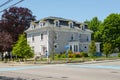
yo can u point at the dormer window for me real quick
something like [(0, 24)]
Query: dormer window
[(71, 25), (33, 26), (83, 27), (56, 23), (41, 24)]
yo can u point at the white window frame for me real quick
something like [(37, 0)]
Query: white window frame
[(57, 46), (56, 23), (33, 38), (72, 37), (71, 25), (56, 36), (41, 36)]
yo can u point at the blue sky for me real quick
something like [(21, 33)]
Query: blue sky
[(79, 10)]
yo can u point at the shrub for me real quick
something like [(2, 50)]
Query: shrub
[(71, 55), (84, 54), (63, 55), (118, 54), (70, 52), (77, 54)]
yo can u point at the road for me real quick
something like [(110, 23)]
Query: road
[(73, 71)]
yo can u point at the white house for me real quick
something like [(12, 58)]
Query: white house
[(54, 34)]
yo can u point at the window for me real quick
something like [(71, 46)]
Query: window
[(71, 47), (76, 48), (83, 27), (33, 26), (57, 23), (87, 38), (79, 36), (56, 36), (33, 48), (71, 25), (32, 38), (72, 37), (41, 24), (41, 36), (56, 46)]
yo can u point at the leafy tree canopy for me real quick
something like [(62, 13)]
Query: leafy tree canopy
[(15, 21), (111, 31), (22, 49), (107, 49), (93, 24), (5, 41), (92, 49)]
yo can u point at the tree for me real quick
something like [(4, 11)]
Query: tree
[(111, 30), (15, 21), (92, 49), (5, 41), (107, 49), (22, 49), (94, 25)]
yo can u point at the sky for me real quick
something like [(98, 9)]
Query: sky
[(79, 10)]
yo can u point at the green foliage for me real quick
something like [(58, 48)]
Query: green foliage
[(77, 55), (97, 36), (71, 55), (118, 54), (107, 49), (70, 52), (92, 49), (22, 49), (94, 25), (111, 31), (84, 54)]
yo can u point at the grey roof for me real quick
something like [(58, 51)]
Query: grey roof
[(60, 18)]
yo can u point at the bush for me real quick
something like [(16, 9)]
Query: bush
[(71, 55), (84, 54), (118, 54), (77, 55), (70, 52), (63, 55)]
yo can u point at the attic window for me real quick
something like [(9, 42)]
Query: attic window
[(83, 27), (33, 26), (41, 24), (56, 23), (71, 25)]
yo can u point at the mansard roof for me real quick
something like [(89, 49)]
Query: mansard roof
[(61, 19)]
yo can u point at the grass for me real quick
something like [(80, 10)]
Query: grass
[(63, 60)]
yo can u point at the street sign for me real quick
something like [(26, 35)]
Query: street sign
[(67, 47)]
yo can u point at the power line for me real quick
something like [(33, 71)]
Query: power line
[(5, 3), (12, 5)]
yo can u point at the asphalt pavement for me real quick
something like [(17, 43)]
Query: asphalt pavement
[(102, 70)]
